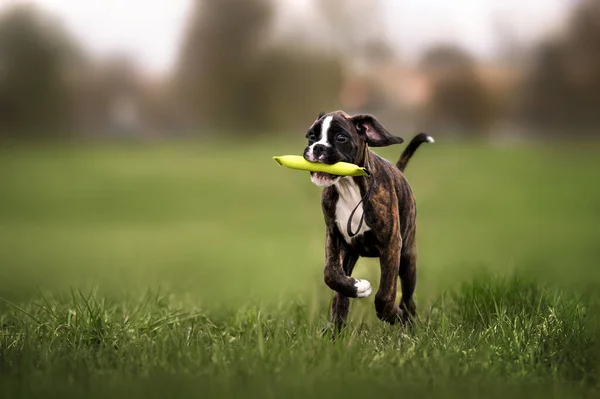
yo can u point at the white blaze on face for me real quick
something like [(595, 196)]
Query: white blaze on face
[(323, 141)]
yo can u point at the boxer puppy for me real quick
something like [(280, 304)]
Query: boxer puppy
[(368, 216)]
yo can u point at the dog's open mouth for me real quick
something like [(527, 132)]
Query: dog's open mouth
[(323, 179)]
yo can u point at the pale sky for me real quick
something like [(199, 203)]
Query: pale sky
[(152, 36)]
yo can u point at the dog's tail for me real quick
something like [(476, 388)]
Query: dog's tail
[(411, 148)]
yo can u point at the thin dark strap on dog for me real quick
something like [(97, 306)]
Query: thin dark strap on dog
[(362, 217)]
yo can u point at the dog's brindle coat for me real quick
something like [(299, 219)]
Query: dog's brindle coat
[(388, 230)]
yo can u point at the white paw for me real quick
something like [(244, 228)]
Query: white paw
[(363, 288)]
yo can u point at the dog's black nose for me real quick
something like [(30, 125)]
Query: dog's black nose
[(319, 151)]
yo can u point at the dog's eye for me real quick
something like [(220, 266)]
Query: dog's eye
[(340, 138), (311, 138)]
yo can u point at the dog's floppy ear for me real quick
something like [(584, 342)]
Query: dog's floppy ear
[(373, 132)]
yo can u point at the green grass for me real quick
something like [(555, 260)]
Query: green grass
[(195, 269)]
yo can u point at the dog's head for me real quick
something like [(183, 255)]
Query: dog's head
[(339, 137)]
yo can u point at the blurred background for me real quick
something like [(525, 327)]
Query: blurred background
[(136, 138), (480, 68)]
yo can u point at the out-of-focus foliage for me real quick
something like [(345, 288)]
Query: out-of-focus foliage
[(243, 67), (232, 76), (562, 93), (36, 60), (460, 102), (104, 93), (222, 45)]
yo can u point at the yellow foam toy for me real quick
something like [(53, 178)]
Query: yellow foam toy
[(340, 168)]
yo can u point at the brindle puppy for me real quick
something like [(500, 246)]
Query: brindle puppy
[(382, 225)]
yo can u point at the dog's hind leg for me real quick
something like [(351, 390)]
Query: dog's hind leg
[(340, 305), (385, 299), (408, 281)]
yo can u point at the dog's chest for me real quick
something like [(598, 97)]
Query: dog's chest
[(348, 197)]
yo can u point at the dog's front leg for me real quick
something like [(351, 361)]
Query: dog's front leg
[(335, 276), (385, 299), (340, 306)]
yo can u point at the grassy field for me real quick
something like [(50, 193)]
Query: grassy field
[(195, 269)]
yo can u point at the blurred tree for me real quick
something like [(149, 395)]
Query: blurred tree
[(109, 96), (354, 29), (222, 45), (460, 101), (562, 92), (294, 85), (231, 75), (114, 96), (35, 54), (158, 107)]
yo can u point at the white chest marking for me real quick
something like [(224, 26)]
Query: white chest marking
[(349, 197)]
